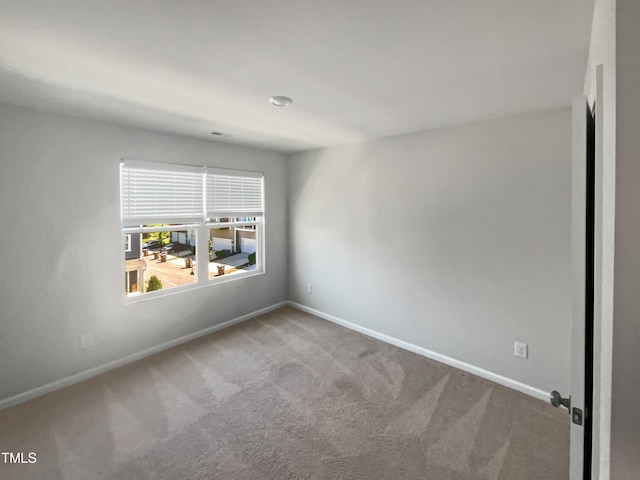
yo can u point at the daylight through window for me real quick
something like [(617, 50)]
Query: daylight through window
[(185, 226)]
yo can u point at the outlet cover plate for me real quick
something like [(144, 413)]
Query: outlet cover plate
[(520, 350)]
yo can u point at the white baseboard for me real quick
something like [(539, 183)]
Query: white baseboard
[(92, 372), (480, 372), (78, 377)]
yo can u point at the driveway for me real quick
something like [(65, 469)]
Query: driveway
[(172, 273), (234, 260), (229, 263)]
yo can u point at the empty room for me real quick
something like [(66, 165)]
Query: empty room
[(319, 240)]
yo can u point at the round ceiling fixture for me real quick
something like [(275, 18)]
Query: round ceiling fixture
[(280, 101)]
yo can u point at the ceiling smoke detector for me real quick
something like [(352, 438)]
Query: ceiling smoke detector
[(280, 101)]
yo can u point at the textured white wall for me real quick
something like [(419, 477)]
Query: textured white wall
[(61, 256), (456, 240)]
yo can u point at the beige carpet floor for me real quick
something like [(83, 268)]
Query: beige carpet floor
[(286, 396)]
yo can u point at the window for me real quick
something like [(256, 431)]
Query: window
[(234, 237), (185, 217)]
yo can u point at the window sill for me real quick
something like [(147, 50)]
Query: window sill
[(143, 297)]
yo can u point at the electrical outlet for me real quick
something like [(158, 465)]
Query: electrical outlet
[(521, 350), (309, 288), (86, 340)]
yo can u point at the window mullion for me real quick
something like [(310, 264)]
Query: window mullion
[(202, 254)]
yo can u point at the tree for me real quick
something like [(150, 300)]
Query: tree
[(154, 284)]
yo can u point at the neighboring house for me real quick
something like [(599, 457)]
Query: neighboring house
[(132, 246), (134, 263), (183, 237), (240, 239), (246, 239)]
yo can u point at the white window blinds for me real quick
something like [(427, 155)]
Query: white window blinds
[(234, 194), (157, 193), (152, 193)]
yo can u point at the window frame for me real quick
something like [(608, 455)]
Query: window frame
[(202, 229)]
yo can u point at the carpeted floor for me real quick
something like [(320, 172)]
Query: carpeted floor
[(286, 396)]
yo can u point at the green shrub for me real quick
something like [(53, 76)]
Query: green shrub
[(222, 253), (154, 284), (252, 258)]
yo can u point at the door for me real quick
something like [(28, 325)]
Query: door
[(249, 245), (579, 402)]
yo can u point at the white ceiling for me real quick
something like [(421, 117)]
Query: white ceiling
[(356, 69)]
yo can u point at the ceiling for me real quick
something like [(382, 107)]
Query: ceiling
[(356, 69)]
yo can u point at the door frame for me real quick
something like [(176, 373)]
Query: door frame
[(583, 250), (590, 223), (583, 201)]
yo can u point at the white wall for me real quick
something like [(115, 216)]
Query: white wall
[(61, 256), (625, 418), (455, 240), (602, 52)]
